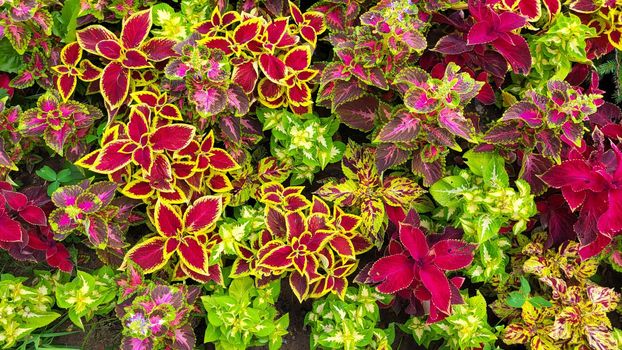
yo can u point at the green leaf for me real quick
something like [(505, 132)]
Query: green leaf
[(11, 61), (446, 190), (160, 12), (516, 299), (211, 333), (76, 319), (539, 301), (64, 175), (494, 172), (477, 161), (53, 187), (525, 288), (487, 227), (46, 173), (40, 320), (69, 17), (240, 288)]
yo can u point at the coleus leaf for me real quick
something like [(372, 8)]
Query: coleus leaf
[(404, 127)]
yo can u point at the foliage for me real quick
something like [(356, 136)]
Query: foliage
[(244, 316), (88, 295), (156, 315), (366, 188), (455, 154), (92, 210), (23, 309), (482, 202), (578, 314), (349, 323), (303, 143), (25, 232), (466, 328)]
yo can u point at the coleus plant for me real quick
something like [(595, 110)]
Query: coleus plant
[(23, 309), (304, 238), (189, 237), (19, 20), (578, 314), (433, 116), (73, 68), (544, 125), (244, 316), (366, 189), (481, 202), (63, 124), (304, 143), (588, 181), (466, 328), (124, 54), (552, 59), (255, 45), (92, 210), (87, 295), (415, 268), (25, 233), (352, 323), (157, 315)]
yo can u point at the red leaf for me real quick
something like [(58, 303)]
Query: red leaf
[(15, 200), (246, 75), (66, 84), (135, 29), (193, 254), (276, 257), (135, 59), (110, 159), (437, 284), (110, 49), (167, 220), (149, 255), (71, 54), (611, 220), (299, 285), (296, 225), (159, 49), (394, 271), (89, 37), (298, 58), (414, 240), (450, 254), (203, 214), (33, 215), (272, 67), (114, 84), (172, 137), (11, 230), (247, 31), (576, 174)]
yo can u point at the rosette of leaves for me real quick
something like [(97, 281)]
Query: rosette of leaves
[(154, 158), (542, 125), (23, 309), (366, 189), (124, 54), (466, 328), (315, 246), (427, 127), (92, 210), (555, 51), (481, 202), (25, 233), (351, 323), (19, 20), (243, 316), (414, 268), (578, 315), (304, 143), (589, 183), (63, 124), (207, 76), (256, 45), (158, 316), (400, 25), (187, 235), (88, 295)]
